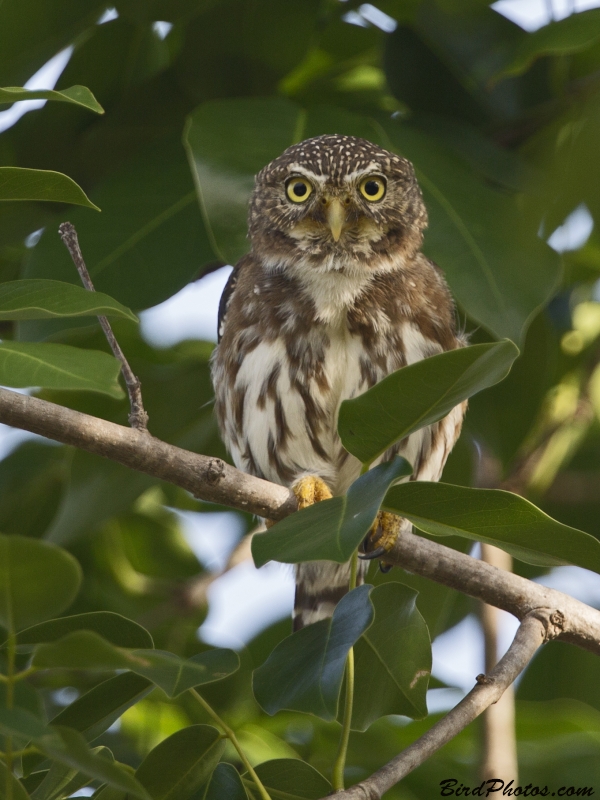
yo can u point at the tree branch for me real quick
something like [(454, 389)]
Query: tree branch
[(213, 480), (533, 632)]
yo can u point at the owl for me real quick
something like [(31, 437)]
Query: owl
[(333, 296)]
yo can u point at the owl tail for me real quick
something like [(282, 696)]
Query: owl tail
[(320, 585)]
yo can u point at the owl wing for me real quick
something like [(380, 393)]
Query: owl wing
[(225, 301)]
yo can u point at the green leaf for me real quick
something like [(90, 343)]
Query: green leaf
[(228, 142), (180, 764), (38, 580), (497, 517), (571, 35), (96, 710), (59, 366), (333, 529), (64, 780), (79, 95), (304, 672), (418, 395), (392, 659), (292, 779), (18, 791), (43, 299), (86, 650), (225, 782), (498, 268), (18, 183), (118, 630)]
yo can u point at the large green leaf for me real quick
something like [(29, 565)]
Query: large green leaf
[(87, 650), (227, 142), (118, 630), (59, 366), (96, 710), (333, 529), (392, 659), (418, 395), (292, 779), (225, 782), (571, 35), (497, 517), (43, 299), (498, 268), (304, 672), (63, 780), (181, 764), (18, 791), (19, 183), (79, 95), (68, 747), (38, 580), (150, 218)]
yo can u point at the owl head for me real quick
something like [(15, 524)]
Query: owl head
[(334, 198)]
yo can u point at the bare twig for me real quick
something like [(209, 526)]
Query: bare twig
[(138, 418), (499, 756), (215, 481), (534, 630)]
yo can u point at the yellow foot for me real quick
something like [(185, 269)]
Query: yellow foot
[(381, 538), (309, 490)]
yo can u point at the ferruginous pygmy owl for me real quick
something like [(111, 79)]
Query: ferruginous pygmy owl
[(333, 296)]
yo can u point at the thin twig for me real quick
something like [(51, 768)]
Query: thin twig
[(533, 632), (138, 418)]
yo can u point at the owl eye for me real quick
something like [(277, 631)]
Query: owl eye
[(298, 190), (372, 189)]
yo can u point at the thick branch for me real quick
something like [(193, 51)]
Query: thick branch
[(532, 633), (212, 480)]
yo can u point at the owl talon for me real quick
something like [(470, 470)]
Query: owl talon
[(384, 567), (379, 551), (310, 490)]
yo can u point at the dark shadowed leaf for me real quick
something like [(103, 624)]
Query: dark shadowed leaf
[(225, 782), (571, 35), (181, 763), (392, 659), (491, 515), (42, 299), (79, 95), (304, 672), (59, 366), (419, 394), (118, 630), (18, 183), (18, 791), (86, 650), (37, 580), (292, 779), (63, 780), (333, 529)]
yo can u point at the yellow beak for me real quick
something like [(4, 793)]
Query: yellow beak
[(336, 216)]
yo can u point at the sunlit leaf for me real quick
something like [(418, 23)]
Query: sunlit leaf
[(333, 529), (497, 517), (304, 672), (180, 764), (19, 183), (37, 580), (392, 659), (42, 299), (59, 366), (418, 395), (79, 95)]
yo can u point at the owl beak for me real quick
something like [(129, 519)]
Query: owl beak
[(336, 216)]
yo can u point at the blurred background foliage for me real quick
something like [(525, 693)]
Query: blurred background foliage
[(503, 127)]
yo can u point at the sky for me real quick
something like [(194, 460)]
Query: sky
[(267, 593)]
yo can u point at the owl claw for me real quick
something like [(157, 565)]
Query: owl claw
[(310, 490), (379, 551), (384, 533)]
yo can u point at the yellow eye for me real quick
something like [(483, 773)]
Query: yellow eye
[(372, 189), (298, 190)]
